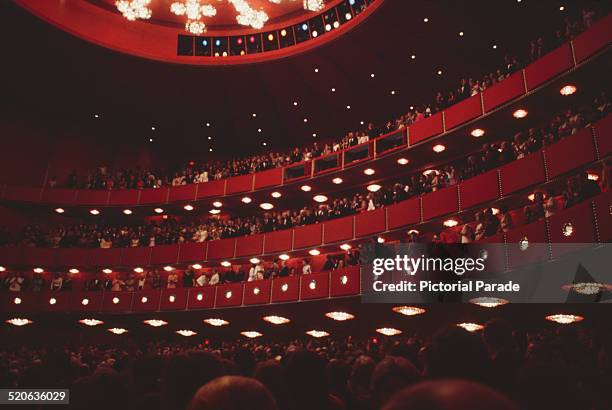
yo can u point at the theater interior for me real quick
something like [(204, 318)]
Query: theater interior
[(192, 192)]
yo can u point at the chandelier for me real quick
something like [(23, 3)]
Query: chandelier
[(134, 9), (195, 11)]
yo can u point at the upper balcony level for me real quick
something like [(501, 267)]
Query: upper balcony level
[(532, 86)]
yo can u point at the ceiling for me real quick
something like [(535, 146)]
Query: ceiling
[(226, 14), (56, 81)]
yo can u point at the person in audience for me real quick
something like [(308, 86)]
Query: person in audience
[(172, 280), (306, 268), (215, 278), (233, 393), (202, 280), (57, 282)]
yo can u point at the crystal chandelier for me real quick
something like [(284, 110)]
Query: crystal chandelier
[(314, 5), (134, 9), (194, 12), (247, 16)]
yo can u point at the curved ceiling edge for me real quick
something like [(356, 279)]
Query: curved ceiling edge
[(157, 42)]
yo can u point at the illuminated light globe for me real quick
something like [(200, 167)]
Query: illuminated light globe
[(312, 285), (314, 5), (19, 321), (134, 9), (567, 90), (17, 301), (564, 319), (389, 331), (408, 310), (155, 322), (471, 327), (194, 11), (216, 322), (489, 302), (117, 330), (91, 322), (340, 316), (276, 320), (256, 291), (317, 333), (251, 334), (186, 332), (568, 229)]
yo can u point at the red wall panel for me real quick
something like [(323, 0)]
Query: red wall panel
[(22, 194), (59, 196), (192, 252), (580, 217), (221, 249), (42, 257), (124, 301), (603, 133), (426, 128), (570, 153), (92, 197), (183, 193), (268, 178), (368, 223), (522, 173), (502, 92), (74, 257), (537, 249), (249, 245), (314, 286), (154, 196), (11, 255), (404, 213), (201, 298), (257, 292), (164, 254), (229, 295), (127, 197), (338, 230), (174, 299), (146, 301), (138, 256), (594, 39), (306, 236), (547, 67), (463, 112), (106, 257), (345, 282), (484, 187), (285, 289), (239, 184), (278, 241), (211, 188), (441, 202)]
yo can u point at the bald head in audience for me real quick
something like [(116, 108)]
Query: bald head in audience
[(449, 395), (233, 393)]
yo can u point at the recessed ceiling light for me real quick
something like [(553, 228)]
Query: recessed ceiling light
[(216, 322), (567, 90), (373, 187), (413, 56), (426, 20), (186, 332), (91, 322), (208, 124), (150, 139), (155, 322), (477, 132), (520, 113), (316, 70), (314, 134), (348, 107), (196, 266), (317, 333), (461, 34), (320, 198), (117, 330), (340, 316), (488, 302), (305, 188), (251, 334), (94, 212), (2, 269), (217, 204), (168, 268), (246, 200), (561, 8), (372, 75), (127, 211), (59, 210), (214, 211), (333, 90), (188, 207), (314, 252), (408, 310), (388, 331), (96, 116), (276, 194), (295, 103), (266, 206), (158, 210), (305, 119), (564, 319), (74, 271), (209, 138), (38, 270), (345, 246), (138, 270), (226, 264), (152, 128), (107, 270), (258, 129), (369, 171), (471, 327), (337, 180), (361, 122), (402, 161), (283, 257), (380, 239), (254, 115), (439, 148), (392, 92), (494, 46), (439, 72), (276, 320), (254, 260)]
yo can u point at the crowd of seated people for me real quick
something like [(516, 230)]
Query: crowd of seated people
[(502, 367), (173, 231), (105, 178)]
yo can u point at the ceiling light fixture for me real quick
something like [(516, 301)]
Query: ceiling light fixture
[(276, 320), (373, 187), (91, 322), (471, 327), (117, 330), (408, 310), (389, 331), (369, 171), (186, 332), (489, 302), (19, 321), (320, 198), (567, 90), (251, 334), (402, 161), (317, 333), (340, 316), (266, 206), (134, 9), (520, 113), (337, 180), (276, 194), (216, 322), (477, 132)]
